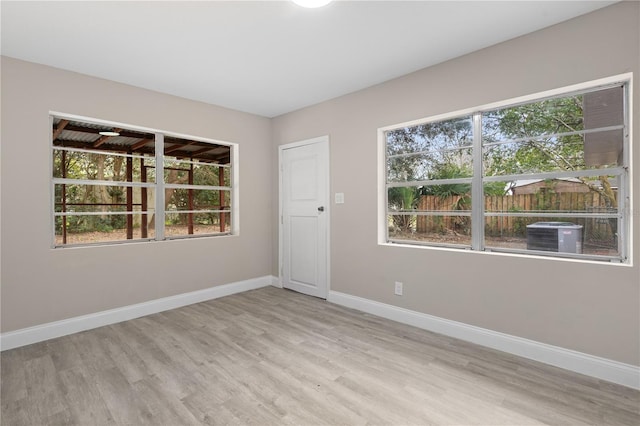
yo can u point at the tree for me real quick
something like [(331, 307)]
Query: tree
[(403, 199), (546, 143), (414, 153)]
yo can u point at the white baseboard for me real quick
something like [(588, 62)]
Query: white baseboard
[(275, 281), (39, 333), (601, 368)]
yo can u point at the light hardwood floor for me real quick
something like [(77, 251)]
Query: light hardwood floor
[(272, 356)]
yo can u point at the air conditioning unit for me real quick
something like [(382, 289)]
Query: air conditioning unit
[(562, 237)]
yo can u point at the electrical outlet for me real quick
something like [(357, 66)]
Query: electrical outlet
[(398, 289)]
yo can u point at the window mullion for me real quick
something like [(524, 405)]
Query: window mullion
[(477, 192), (159, 218), (624, 205), (386, 191)]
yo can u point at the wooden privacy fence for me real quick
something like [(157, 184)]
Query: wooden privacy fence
[(442, 224), (515, 226)]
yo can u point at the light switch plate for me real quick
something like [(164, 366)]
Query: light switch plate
[(339, 197)]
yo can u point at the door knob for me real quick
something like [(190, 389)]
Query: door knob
[(321, 208)]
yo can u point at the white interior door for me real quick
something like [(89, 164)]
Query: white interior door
[(304, 171)]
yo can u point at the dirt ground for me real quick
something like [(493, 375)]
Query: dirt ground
[(121, 234), (456, 238), (589, 247), (446, 238)]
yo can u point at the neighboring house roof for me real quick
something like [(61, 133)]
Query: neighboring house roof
[(527, 182)]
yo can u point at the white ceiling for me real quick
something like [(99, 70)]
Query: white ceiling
[(267, 57)]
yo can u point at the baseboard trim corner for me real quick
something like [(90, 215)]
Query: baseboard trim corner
[(578, 362), (275, 281), (39, 333)]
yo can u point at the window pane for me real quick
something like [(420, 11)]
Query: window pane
[(535, 156), (601, 109), (450, 197), (99, 198), (186, 149), (183, 224), (177, 172), (440, 135), (435, 165), (549, 135), (440, 220), (439, 229), (603, 149), (101, 166), (578, 235), (564, 195), (550, 116), (88, 229), (432, 198), (567, 198), (437, 150), (197, 199)]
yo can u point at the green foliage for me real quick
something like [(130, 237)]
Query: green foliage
[(415, 152), (545, 199), (494, 188), (202, 199), (519, 227), (403, 199), (81, 224), (448, 171), (536, 126)]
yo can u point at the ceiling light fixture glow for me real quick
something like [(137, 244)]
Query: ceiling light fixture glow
[(109, 133), (312, 3)]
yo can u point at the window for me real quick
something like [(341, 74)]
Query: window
[(545, 176), (197, 191), (115, 184)]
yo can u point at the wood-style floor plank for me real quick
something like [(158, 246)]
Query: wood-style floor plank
[(275, 357)]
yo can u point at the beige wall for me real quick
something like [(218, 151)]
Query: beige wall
[(592, 308), (41, 285)]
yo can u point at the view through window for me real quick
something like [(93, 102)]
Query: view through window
[(549, 177), (112, 184)]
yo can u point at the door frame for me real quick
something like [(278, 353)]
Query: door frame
[(323, 141)]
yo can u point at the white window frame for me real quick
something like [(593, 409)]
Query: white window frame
[(158, 186), (477, 212)]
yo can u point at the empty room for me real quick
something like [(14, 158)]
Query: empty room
[(337, 213)]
